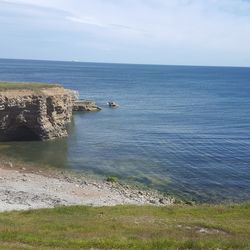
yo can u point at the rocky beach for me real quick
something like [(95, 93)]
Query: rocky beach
[(23, 187), (41, 112)]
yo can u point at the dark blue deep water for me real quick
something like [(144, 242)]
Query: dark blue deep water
[(183, 130)]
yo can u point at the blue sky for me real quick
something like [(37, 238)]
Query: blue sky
[(186, 32)]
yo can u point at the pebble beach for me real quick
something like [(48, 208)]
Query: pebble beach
[(24, 188)]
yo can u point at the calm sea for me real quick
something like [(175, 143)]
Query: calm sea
[(183, 130)]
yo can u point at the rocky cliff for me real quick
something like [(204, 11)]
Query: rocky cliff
[(37, 114)]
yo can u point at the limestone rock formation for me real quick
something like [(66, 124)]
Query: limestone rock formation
[(38, 114), (85, 105)]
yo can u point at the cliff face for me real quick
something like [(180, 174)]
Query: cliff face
[(34, 114)]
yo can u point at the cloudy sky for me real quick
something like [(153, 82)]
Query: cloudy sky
[(187, 32)]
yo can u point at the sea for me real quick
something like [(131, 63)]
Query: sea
[(183, 130)]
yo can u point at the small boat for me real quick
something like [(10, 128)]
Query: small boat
[(113, 105)]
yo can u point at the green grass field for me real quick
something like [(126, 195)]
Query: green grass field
[(24, 85), (128, 227)]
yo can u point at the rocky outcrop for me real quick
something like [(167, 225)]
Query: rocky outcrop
[(85, 105), (38, 114)]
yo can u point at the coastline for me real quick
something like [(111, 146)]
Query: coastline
[(143, 221), (23, 187), (41, 112)]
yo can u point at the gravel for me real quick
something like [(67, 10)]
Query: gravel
[(23, 190)]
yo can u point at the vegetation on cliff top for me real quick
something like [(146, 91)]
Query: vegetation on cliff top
[(128, 227), (25, 85)]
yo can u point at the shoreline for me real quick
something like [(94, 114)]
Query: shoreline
[(23, 187)]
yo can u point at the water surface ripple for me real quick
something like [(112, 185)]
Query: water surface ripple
[(183, 130)]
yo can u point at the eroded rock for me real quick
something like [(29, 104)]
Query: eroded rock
[(35, 114), (85, 105)]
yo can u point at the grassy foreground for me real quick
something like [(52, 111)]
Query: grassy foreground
[(24, 85), (128, 227)]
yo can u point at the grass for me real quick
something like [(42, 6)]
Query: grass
[(128, 227), (24, 85), (112, 179)]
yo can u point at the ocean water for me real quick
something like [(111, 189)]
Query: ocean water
[(182, 130)]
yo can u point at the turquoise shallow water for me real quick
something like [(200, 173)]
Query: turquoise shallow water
[(183, 130)]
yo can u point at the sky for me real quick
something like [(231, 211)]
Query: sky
[(175, 32)]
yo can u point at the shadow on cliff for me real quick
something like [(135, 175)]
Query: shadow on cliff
[(27, 147), (22, 133)]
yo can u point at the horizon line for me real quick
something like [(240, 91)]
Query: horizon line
[(125, 63)]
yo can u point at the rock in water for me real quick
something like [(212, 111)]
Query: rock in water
[(38, 114), (113, 105), (85, 105)]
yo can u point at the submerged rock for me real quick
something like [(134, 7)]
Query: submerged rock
[(38, 114)]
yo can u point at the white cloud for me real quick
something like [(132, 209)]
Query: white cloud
[(198, 28), (85, 20)]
